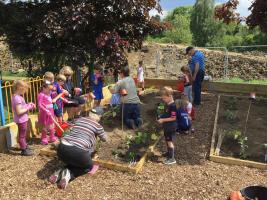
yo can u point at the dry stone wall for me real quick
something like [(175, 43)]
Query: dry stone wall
[(165, 61)]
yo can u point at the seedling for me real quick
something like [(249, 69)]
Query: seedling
[(231, 103), (128, 140), (230, 115), (141, 138), (154, 136), (242, 141)]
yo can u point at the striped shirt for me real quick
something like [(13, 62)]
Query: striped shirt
[(84, 133)]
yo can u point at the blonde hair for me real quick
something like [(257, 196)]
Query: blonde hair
[(179, 103), (185, 100), (185, 69), (19, 84), (66, 70), (61, 77), (49, 76), (166, 91)]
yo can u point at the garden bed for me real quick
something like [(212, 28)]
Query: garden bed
[(241, 140)]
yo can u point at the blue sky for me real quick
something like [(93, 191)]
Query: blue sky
[(168, 5)]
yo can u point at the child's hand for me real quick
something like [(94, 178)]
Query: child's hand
[(65, 92), (160, 121), (30, 106)]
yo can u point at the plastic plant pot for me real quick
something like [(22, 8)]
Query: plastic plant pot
[(254, 193)]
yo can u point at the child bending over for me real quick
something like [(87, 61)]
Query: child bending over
[(20, 109), (182, 118), (168, 121)]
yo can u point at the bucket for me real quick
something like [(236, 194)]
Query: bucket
[(64, 126), (180, 86), (254, 193)]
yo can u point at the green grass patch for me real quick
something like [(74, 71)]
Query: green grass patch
[(239, 80)]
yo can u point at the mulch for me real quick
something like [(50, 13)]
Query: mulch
[(194, 177)]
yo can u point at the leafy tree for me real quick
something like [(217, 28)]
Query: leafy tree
[(258, 15), (203, 25), (72, 31)]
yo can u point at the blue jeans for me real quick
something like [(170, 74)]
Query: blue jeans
[(131, 114), (197, 87)]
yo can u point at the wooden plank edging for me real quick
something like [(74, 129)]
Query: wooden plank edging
[(235, 161), (213, 139)]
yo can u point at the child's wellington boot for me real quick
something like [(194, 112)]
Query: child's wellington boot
[(52, 137), (44, 140)]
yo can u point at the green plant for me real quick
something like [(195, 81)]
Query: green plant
[(131, 155), (242, 141), (154, 136), (141, 138), (229, 115), (128, 140)]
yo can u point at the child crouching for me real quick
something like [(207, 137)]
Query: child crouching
[(168, 121), (183, 119)]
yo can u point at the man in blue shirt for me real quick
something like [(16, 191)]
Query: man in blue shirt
[(197, 66)]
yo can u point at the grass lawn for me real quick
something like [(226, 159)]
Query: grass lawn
[(239, 80)]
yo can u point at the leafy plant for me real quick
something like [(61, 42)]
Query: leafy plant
[(230, 115), (128, 140), (154, 136), (242, 141), (141, 138), (132, 155)]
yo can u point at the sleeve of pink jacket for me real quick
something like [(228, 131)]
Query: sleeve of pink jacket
[(41, 104)]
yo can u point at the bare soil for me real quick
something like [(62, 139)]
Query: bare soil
[(256, 127), (193, 178)]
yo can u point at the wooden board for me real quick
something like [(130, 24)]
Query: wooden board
[(213, 139), (213, 86), (235, 161), (47, 151)]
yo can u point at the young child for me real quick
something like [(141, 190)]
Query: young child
[(140, 75), (49, 76), (188, 106), (187, 76), (168, 120), (182, 118), (20, 109), (97, 79), (115, 99), (57, 96), (46, 113)]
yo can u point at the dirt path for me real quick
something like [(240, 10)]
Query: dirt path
[(193, 177)]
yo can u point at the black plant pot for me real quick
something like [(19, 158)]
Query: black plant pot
[(254, 193)]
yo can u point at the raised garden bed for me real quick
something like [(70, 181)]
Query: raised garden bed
[(126, 150), (234, 141)]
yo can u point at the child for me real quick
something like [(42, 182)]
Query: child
[(187, 76), (20, 109), (140, 75), (168, 120), (57, 95), (97, 79), (182, 118), (189, 107), (46, 113), (115, 99), (49, 76)]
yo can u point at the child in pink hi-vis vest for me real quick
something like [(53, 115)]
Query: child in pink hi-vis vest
[(46, 113)]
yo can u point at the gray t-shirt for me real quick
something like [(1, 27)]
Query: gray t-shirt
[(128, 84)]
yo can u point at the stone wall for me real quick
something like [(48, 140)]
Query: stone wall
[(170, 58)]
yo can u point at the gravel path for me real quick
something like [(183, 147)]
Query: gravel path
[(193, 177)]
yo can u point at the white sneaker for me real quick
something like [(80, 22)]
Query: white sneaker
[(65, 179)]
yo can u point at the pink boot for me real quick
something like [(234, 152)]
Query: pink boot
[(52, 137), (44, 140)]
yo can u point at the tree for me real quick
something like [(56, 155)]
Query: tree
[(258, 15), (72, 31), (226, 12), (203, 24)]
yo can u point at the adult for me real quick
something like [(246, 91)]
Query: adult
[(197, 67), (76, 148), (75, 100), (130, 100)]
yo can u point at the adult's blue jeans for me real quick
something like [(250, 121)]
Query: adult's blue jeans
[(131, 114), (197, 87)]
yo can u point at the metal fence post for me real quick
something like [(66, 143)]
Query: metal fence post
[(2, 111)]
